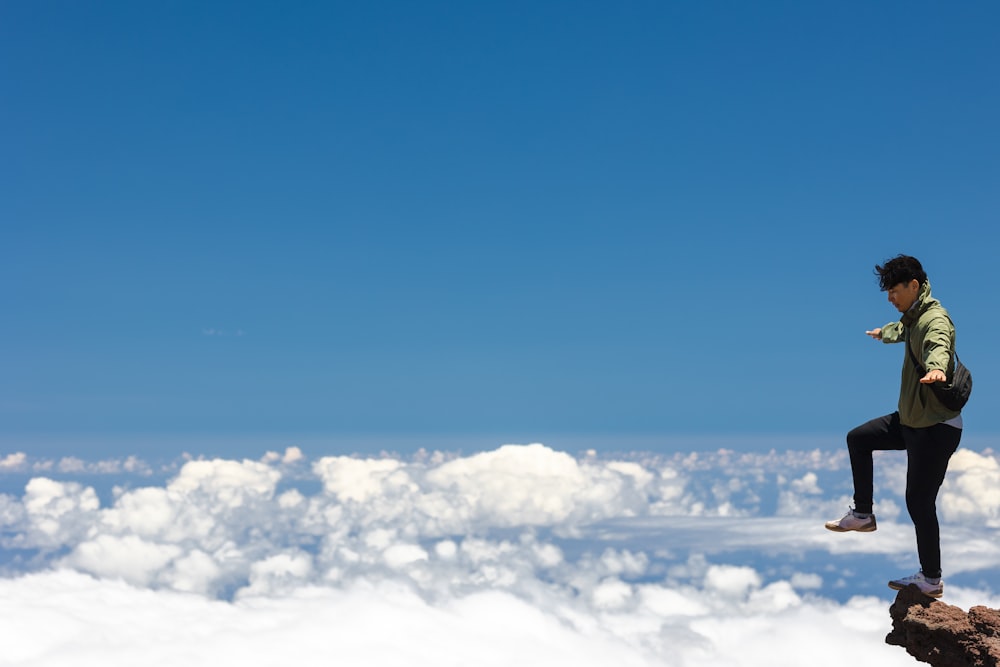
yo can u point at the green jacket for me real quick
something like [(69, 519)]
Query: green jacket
[(927, 329)]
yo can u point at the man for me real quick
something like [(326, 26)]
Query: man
[(928, 431)]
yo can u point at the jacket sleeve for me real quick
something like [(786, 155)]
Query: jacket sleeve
[(936, 350), (892, 332)]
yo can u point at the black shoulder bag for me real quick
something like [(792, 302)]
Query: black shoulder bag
[(955, 394)]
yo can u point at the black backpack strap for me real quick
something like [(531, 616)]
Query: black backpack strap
[(920, 367)]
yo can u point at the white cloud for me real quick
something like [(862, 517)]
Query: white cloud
[(279, 573), (807, 484), (535, 485), (130, 558), (62, 617), (809, 580), (148, 512), (231, 483), (731, 581), (291, 455), (194, 572), (518, 555), (972, 489), (55, 512), (20, 462), (71, 464), (357, 480), (15, 461)]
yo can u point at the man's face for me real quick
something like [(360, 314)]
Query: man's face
[(903, 295)]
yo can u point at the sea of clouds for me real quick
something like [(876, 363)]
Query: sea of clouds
[(519, 555)]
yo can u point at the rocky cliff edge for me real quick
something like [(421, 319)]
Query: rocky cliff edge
[(943, 635)]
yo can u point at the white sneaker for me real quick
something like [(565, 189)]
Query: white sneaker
[(851, 521), (920, 581)]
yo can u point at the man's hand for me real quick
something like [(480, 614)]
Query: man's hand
[(875, 333), (934, 376)]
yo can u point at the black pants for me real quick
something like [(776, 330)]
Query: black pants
[(927, 453)]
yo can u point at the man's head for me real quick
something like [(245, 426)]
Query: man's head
[(901, 277)]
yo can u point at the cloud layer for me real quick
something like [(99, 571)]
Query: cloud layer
[(522, 554)]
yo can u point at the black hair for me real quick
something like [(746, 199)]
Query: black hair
[(900, 269)]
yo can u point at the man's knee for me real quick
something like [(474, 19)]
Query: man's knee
[(856, 439)]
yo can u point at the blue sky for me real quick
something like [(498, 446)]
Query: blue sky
[(505, 221)]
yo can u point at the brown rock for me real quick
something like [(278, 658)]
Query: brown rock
[(943, 635)]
